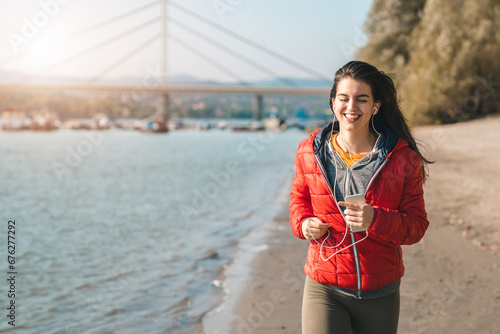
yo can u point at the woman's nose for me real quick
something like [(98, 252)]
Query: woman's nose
[(351, 105)]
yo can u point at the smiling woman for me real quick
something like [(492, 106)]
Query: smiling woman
[(369, 153)]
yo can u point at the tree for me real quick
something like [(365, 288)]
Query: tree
[(446, 56)]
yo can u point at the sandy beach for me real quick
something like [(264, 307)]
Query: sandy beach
[(451, 281)]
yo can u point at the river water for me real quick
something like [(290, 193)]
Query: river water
[(124, 232)]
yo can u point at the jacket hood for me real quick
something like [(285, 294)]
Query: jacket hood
[(387, 142)]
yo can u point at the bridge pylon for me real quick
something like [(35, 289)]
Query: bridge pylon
[(258, 111), (164, 106)]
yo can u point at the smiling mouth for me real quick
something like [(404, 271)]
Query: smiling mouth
[(352, 116)]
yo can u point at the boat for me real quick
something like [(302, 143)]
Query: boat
[(153, 124), (275, 123), (15, 120), (202, 126), (176, 125), (101, 121), (255, 126), (44, 120)]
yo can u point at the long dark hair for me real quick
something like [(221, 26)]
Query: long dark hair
[(383, 90)]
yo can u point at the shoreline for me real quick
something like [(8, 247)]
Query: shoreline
[(451, 274), (271, 299), (239, 277)]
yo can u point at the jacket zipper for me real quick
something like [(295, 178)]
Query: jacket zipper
[(353, 240), (355, 250)]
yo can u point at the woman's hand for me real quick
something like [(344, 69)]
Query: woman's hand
[(313, 228), (358, 215)]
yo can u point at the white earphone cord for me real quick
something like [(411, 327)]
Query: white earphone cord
[(373, 126), (340, 243)]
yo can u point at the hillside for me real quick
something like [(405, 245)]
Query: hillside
[(444, 56)]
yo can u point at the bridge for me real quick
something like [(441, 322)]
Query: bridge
[(162, 88), (165, 90)]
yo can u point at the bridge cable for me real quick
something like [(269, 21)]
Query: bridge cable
[(234, 53), (126, 57), (252, 43), (208, 59)]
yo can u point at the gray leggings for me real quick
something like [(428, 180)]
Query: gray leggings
[(326, 311)]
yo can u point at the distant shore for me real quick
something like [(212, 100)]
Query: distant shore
[(451, 280)]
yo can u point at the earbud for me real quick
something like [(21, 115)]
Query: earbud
[(375, 111)]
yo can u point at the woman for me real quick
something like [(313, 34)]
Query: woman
[(354, 264)]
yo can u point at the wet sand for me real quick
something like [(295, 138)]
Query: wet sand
[(451, 283)]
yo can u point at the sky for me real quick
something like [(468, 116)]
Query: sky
[(37, 38)]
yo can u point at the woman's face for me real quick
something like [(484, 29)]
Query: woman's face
[(354, 105)]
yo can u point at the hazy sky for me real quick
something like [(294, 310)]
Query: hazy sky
[(320, 34)]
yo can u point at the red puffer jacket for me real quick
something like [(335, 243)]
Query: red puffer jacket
[(400, 218)]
